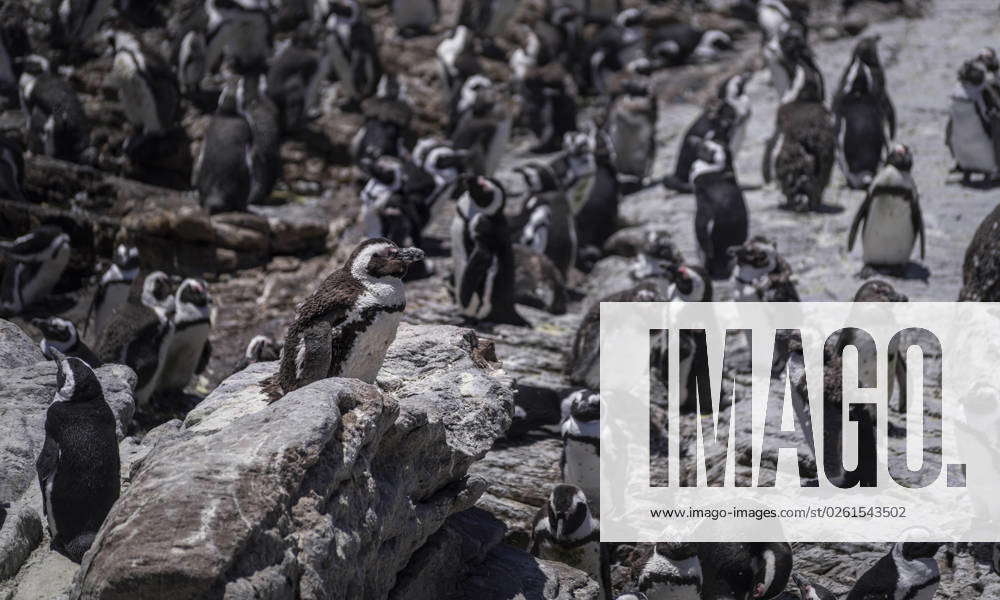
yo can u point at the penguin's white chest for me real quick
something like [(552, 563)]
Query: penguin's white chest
[(136, 97), (186, 346), (970, 143), (365, 358), (888, 235)]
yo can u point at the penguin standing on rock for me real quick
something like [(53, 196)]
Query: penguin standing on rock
[(671, 572), (721, 220), (890, 218), (138, 335), (564, 531), (61, 336), (112, 290), (57, 125), (147, 90), (481, 253), (865, 117), (35, 264), (189, 349), (907, 571), (260, 349), (970, 133), (344, 328), (580, 462), (222, 173), (78, 468), (11, 170)]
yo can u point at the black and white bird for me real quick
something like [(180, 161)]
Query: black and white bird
[(721, 218), (349, 50), (389, 207), (763, 275), (865, 116), (78, 468), (56, 123), (189, 349), (811, 591), (488, 20), (386, 130), (788, 52), (138, 334), (35, 264), (549, 228), (238, 31), (191, 57), (112, 289), (75, 21), (261, 116), (261, 348), (147, 89), (11, 170), (344, 328), (970, 131), (679, 43), (457, 60), (60, 335), (907, 571), (597, 216), (631, 126), (293, 84), (222, 172), (580, 462), (671, 572), (890, 218), (565, 531), (442, 161)]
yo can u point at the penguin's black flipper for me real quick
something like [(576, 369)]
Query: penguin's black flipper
[(45, 466), (890, 114), (900, 375), (918, 223), (860, 216), (206, 354)]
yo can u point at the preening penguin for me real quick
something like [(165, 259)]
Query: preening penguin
[(579, 462), (788, 52), (865, 117), (890, 218), (35, 263), (56, 123), (189, 349), (60, 337), (344, 328), (907, 571), (78, 468), (112, 290), (549, 228)]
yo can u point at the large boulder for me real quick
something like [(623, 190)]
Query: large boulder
[(327, 493)]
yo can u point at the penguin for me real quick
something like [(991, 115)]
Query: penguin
[(730, 109), (35, 264), (907, 571), (564, 531), (147, 89), (238, 31), (344, 328), (788, 52), (721, 219), (388, 209), (350, 51), (601, 11), (189, 349), (631, 126), (15, 44), (981, 265), (442, 162), (261, 348), (890, 218), (773, 14), (415, 17), (865, 116), (549, 105), (762, 275), (293, 81), (771, 565), (56, 123), (191, 58), (264, 153), (222, 173), (481, 253), (60, 335), (549, 228), (678, 43), (11, 170), (112, 290), (138, 334), (876, 290), (970, 133), (806, 139), (488, 20), (580, 463), (484, 127), (386, 130), (597, 217), (457, 60), (744, 570), (74, 21), (811, 591), (671, 572), (78, 467), (576, 167), (619, 47), (537, 282)]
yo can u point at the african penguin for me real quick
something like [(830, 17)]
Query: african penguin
[(387, 208), (549, 228), (890, 216), (575, 168), (677, 43), (344, 328), (147, 90), (293, 81), (264, 153), (721, 218), (441, 161), (74, 21), (192, 55), (548, 106), (970, 132), (744, 570), (260, 348), (907, 571), (631, 127), (481, 252), (787, 53), (579, 462), (488, 19), (597, 217), (618, 48), (564, 531), (78, 468), (11, 170), (865, 117), (35, 264), (415, 17), (457, 60), (482, 124), (189, 349), (240, 32), (671, 572), (806, 142), (771, 565), (876, 290), (762, 275), (61, 335), (112, 290), (56, 123), (349, 50), (812, 591), (386, 130), (222, 173), (138, 334)]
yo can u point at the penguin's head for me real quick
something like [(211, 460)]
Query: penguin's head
[(877, 290), (972, 72), (578, 143), (758, 253), (914, 550), (586, 406), (126, 257), (388, 170), (193, 292), (988, 57), (900, 157), (676, 551), (60, 331), (261, 348), (487, 193), (376, 258), (712, 42), (567, 509), (75, 380), (689, 284), (866, 49)]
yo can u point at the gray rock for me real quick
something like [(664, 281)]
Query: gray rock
[(20, 534), (328, 492), (509, 574), (16, 348)]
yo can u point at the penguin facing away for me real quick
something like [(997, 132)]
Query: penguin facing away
[(146, 86), (907, 571), (721, 219), (222, 171), (35, 263), (261, 116), (890, 218), (112, 290), (579, 462), (189, 349), (78, 468), (344, 328), (60, 337)]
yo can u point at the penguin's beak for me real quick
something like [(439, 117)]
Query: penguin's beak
[(411, 255)]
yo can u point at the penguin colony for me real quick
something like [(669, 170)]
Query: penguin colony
[(583, 87)]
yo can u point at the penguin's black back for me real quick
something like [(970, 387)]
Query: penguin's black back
[(719, 200), (224, 176), (877, 583)]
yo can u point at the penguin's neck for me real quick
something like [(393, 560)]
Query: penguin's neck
[(188, 313)]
